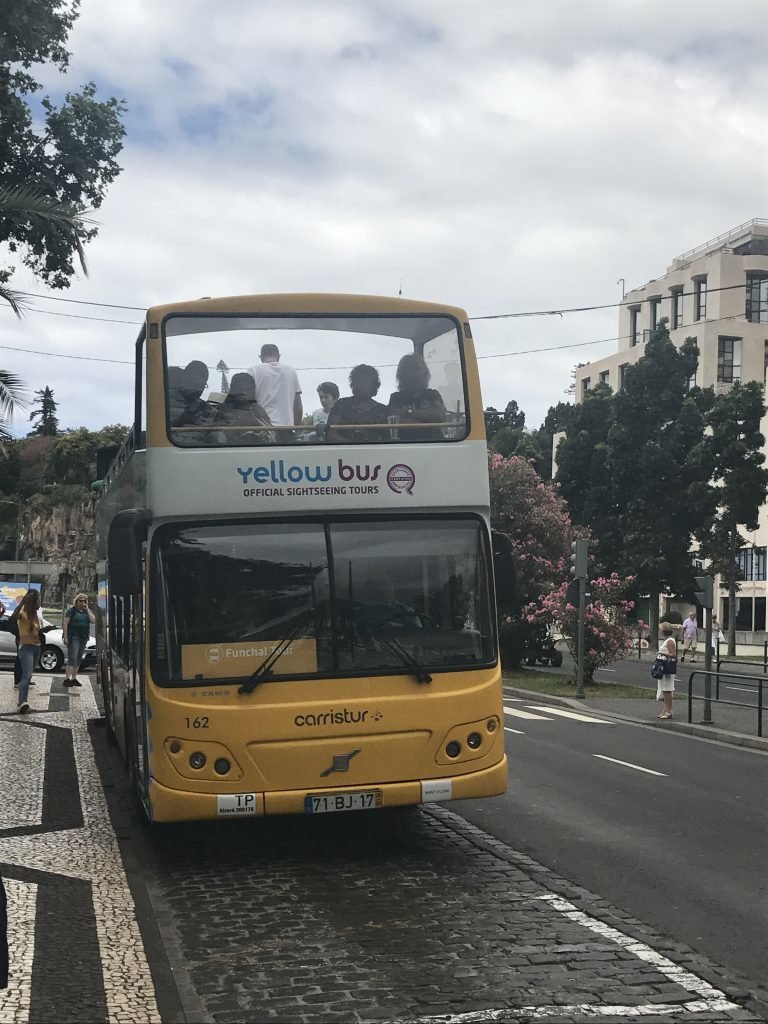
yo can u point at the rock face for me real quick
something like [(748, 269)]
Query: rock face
[(65, 535)]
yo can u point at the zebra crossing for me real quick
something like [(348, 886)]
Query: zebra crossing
[(544, 713)]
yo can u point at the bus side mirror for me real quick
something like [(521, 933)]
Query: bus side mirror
[(504, 570), (126, 536)]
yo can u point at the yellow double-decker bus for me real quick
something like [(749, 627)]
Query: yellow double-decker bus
[(296, 606)]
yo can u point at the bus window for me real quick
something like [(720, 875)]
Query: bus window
[(419, 393), (227, 595)]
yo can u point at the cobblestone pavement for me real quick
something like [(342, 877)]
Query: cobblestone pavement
[(76, 950), (383, 916)]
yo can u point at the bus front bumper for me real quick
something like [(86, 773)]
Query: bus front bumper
[(177, 805)]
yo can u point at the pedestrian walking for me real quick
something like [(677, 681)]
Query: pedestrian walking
[(717, 634), (664, 669), (75, 631), (690, 636), (29, 620)]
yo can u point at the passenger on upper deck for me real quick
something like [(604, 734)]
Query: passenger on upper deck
[(185, 406), (240, 409), (278, 390), (414, 402), (328, 393), (360, 408)]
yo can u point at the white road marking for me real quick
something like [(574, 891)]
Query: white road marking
[(627, 764), (606, 670), (518, 731), (711, 1000), (515, 713), (570, 714), (744, 689), (597, 1011)]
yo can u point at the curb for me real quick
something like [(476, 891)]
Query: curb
[(709, 732)]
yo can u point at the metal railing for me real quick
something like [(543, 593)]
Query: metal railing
[(740, 661), (738, 230), (708, 698)]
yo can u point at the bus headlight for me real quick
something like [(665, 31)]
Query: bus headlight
[(197, 760), (221, 766)]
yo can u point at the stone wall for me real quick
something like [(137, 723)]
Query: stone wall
[(64, 534)]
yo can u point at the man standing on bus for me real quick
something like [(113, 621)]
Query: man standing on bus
[(277, 389)]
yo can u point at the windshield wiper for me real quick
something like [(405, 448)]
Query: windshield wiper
[(264, 671), (420, 673)]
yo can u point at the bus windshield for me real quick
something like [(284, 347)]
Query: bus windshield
[(353, 595), (308, 379)]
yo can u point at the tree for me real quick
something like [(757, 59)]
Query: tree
[(583, 473), (72, 458), (558, 419), (732, 448), (533, 515), (12, 396), (51, 172), (654, 461), (44, 411), (535, 518)]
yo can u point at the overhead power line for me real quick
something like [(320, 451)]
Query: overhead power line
[(492, 355), (490, 316)]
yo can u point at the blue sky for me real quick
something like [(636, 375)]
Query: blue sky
[(503, 157)]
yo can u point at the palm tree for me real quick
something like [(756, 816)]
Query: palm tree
[(12, 396), (19, 204)]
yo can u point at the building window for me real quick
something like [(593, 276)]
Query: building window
[(677, 308), (634, 326), (586, 384), (751, 563), (655, 313), (605, 376), (750, 614), (622, 374), (728, 360), (700, 298), (757, 298)]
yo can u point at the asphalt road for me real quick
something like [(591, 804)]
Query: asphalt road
[(637, 672), (680, 845)]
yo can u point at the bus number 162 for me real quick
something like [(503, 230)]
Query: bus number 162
[(197, 723)]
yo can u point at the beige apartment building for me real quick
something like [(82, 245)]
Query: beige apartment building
[(716, 293)]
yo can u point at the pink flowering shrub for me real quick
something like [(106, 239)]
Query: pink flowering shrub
[(606, 628), (535, 518)]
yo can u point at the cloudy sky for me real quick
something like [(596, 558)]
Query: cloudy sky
[(501, 155)]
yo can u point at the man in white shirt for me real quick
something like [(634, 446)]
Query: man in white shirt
[(690, 636), (277, 388)]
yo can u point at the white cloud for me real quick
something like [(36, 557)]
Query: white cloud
[(498, 156)]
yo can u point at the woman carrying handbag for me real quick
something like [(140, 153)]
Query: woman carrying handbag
[(664, 669)]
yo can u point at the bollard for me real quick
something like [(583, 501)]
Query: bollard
[(760, 708)]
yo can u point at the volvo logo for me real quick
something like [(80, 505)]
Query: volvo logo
[(340, 763)]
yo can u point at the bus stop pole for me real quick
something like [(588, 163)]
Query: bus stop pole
[(707, 719), (580, 639)]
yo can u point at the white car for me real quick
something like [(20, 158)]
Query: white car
[(53, 653)]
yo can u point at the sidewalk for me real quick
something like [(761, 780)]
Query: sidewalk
[(730, 725), (76, 950)]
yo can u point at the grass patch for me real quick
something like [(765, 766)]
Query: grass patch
[(557, 686)]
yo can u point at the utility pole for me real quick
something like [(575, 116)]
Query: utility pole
[(705, 597), (622, 282), (579, 563)]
